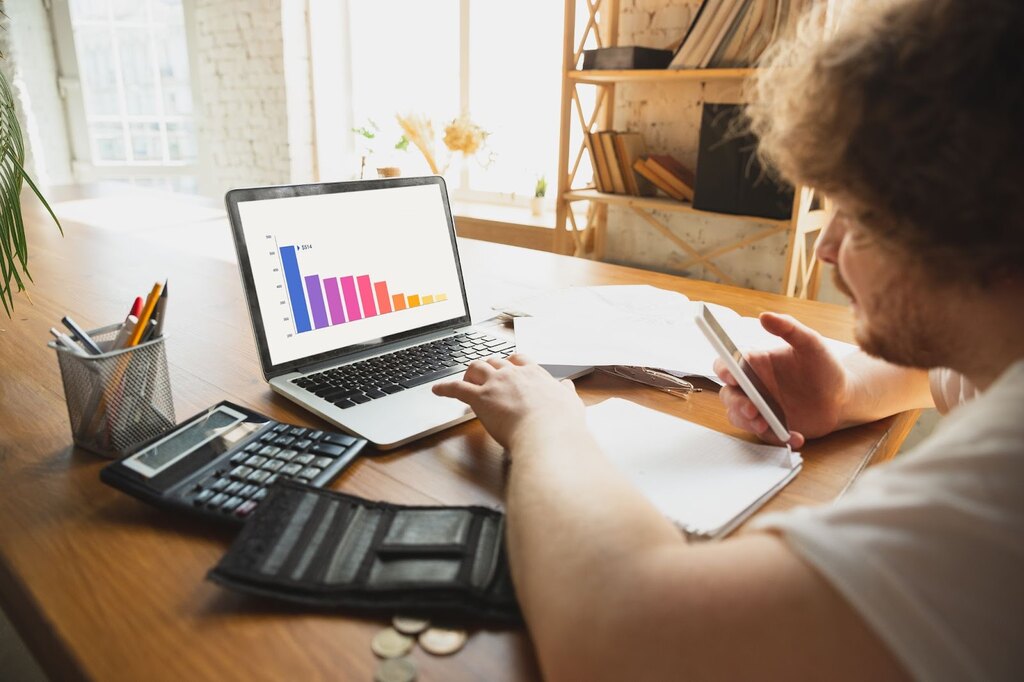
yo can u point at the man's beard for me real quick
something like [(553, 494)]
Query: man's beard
[(898, 331)]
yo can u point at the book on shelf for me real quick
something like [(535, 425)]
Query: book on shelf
[(644, 170), (629, 147), (596, 158), (618, 183), (673, 173)]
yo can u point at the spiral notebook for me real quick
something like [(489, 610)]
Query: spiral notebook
[(706, 482)]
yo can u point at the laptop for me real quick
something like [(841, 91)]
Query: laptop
[(358, 304)]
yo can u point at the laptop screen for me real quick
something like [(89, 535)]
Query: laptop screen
[(348, 266)]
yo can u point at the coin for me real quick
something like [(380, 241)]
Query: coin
[(389, 643), (441, 641), (410, 626), (395, 670)]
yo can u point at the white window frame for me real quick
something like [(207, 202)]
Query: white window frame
[(83, 162)]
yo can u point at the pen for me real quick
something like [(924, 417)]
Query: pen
[(159, 314), (66, 341), (79, 334), (125, 332), (147, 312)]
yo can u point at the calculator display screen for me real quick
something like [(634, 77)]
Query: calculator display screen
[(169, 450)]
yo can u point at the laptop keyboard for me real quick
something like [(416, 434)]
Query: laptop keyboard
[(367, 380)]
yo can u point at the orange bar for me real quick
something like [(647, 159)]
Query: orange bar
[(414, 300), (440, 297), (383, 300), (428, 299), (399, 301)]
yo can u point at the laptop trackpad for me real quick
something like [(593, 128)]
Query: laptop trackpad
[(404, 416)]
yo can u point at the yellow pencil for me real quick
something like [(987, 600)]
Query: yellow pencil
[(147, 312)]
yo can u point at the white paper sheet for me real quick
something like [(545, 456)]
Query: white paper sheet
[(704, 481)]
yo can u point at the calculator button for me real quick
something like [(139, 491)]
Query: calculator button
[(322, 462), (248, 490), (268, 436), (220, 484), (291, 469), (234, 488), (339, 439), (281, 428), (298, 431), (316, 435), (284, 441), (258, 476), (253, 446), (218, 500), (239, 457), (286, 455), (245, 508), (240, 472), (255, 461), (259, 494), (303, 444), (327, 449), (270, 451), (273, 465), (309, 472), (202, 497), (269, 481), (231, 504), (303, 459)]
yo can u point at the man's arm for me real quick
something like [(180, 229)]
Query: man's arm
[(608, 587)]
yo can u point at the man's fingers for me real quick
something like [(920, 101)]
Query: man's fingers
[(497, 362), (796, 439), (460, 390), (517, 359), (723, 373), (478, 372), (796, 334)]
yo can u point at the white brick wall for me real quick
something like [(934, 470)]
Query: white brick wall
[(240, 55), (668, 115), (31, 70)]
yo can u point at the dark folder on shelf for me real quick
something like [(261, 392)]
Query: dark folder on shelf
[(730, 177)]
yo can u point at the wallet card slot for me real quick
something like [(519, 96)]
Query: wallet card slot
[(301, 545), (286, 541), (413, 572), (354, 546), (318, 566), (316, 538), (488, 550), (427, 531)]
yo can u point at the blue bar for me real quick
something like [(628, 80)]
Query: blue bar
[(294, 281)]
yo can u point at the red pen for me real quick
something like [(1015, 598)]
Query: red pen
[(136, 307)]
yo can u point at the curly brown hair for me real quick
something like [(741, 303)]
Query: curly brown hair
[(912, 112)]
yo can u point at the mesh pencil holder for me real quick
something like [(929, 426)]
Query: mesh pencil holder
[(118, 399)]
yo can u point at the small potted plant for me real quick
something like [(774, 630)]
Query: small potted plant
[(539, 190)]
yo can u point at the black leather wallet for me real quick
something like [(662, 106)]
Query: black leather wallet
[(331, 550)]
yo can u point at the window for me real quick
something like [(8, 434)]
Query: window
[(136, 94), (497, 63)]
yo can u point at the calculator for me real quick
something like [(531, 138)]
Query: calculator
[(220, 462)]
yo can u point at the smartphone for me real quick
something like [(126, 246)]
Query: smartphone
[(745, 375)]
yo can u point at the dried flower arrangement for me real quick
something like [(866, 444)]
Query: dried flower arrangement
[(461, 136)]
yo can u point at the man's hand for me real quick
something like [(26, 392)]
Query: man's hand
[(515, 398), (810, 384)]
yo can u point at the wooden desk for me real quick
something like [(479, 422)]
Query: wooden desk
[(101, 586)]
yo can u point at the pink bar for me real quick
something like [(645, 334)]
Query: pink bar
[(334, 300), (383, 299), (348, 288), (366, 296)]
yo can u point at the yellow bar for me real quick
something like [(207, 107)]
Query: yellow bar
[(440, 297), (413, 299), (428, 299)]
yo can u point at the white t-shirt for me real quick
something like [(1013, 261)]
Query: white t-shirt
[(929, 548)]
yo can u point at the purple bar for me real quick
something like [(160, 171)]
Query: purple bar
[(334, 300), (316, 301), (366, 294), (348, 288)]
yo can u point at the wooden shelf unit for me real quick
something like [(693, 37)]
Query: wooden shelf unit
[(801, 273)]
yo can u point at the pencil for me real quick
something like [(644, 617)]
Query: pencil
[(147, 312)]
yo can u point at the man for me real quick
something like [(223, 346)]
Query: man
[(911, 117)]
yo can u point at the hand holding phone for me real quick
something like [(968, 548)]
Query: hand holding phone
[(744, 374)]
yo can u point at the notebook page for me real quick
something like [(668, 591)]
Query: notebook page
[(699, 478)]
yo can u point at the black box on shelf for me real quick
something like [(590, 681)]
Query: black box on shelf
[(629, 57), (730, 177)]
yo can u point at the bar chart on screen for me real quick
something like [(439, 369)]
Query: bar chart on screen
[(318, 300)]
